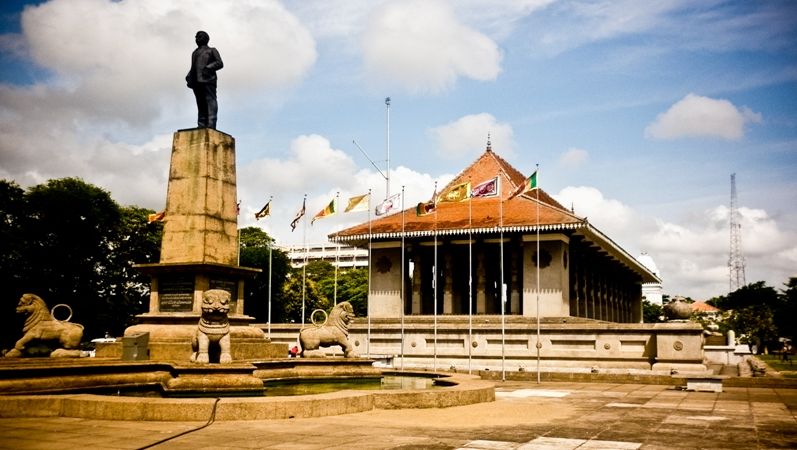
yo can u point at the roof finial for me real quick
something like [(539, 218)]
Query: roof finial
[(489, 145)]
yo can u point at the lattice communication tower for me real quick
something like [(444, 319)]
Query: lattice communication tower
[(736, 259)]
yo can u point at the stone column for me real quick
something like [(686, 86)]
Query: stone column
[(201, 216), (514, 285), (448, 294), (481, 299), (416, 283)]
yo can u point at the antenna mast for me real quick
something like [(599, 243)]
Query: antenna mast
[(387, 145), (736, 259)]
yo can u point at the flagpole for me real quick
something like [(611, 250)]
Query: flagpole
[(368, 296), (539, 344), (337, 254), (401, 289), (270, 245), (435, 280), (304, 265), (502, 293), (470, 280)]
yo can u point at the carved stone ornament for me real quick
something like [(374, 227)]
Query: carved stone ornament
[(213, 327), (678, 346), (334, 331), (677, 309), (383, 264), (545, 258), (62, 337), (607, 346)]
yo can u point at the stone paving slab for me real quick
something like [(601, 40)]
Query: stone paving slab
[(525, 415)]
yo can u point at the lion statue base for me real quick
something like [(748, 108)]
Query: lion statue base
[(41, 326), (334, 331), (213, 328)]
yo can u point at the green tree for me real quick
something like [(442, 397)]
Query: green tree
[(78, 247), (787, 312), (255, 247), (353, 287), (651, 312), (752, 314), (71, 231), (12, 256), (292, 298), (136, 242)]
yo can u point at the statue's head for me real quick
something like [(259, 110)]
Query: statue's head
[(202, 38)]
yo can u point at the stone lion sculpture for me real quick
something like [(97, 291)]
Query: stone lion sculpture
[(41, 326), (334, 331), (214, 327)]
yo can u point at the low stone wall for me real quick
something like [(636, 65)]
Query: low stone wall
[(564, 344)]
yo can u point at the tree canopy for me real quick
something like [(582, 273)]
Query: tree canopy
[(258, 250), (759, 314), (69, 242)]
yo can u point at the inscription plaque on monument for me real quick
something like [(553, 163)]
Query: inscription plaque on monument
[(226, 284), (176, 293)]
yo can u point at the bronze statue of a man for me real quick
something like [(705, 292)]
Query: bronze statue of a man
[(205, 61)]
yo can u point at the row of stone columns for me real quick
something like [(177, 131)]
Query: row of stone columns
[(480, 287), (601, 288)]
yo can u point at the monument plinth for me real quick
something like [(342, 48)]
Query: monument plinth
[(199, 252)]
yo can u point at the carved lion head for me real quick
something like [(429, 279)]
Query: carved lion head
[(215, 302)]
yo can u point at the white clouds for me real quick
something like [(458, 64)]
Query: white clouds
[(315, 168), (691, 255), (574, 157), (467, 136), (609, 215), (123, 59), (422, 47), (697, 116), (117, 73)]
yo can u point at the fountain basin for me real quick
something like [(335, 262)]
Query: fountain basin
[(30, 391)]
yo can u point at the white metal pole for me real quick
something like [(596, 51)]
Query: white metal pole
[(502, 293), (304, 247), (368, 296), (470, 282), (401, 289), (434, 281), (270, 245), (539, 344), (337, 256)]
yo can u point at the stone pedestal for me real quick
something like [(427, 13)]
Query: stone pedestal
[(199, 251)]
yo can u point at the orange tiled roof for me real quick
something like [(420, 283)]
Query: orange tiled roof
[(703, 307), (480, 214)]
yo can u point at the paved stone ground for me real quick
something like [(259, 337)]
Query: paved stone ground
[(525, 415)]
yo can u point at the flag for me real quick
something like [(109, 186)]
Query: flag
[(299, 215), (425, 208), (327, 211), (264, 211), (457, 193), (487, 189), (388, 205), (528, 185), (157, 217), (357, 203)]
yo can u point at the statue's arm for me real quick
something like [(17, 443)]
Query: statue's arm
[(216, 64)]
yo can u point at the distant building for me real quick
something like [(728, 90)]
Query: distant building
[(339, 255), (651, 291)]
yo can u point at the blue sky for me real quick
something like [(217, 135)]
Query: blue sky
[(637, 113)]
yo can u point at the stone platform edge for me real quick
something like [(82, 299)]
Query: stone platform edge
[(468, 389)]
